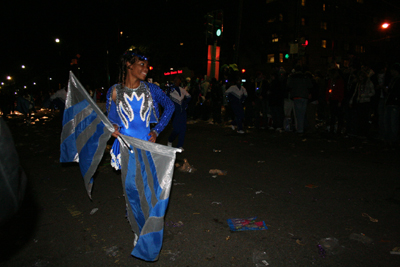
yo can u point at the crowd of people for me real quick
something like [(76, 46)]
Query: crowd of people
[(352, 102)]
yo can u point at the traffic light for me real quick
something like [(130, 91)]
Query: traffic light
[(287, 56), (243, 70), (151, 68), (218, 23)]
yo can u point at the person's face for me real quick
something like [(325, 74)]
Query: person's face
[(177, 81), (139, 69)]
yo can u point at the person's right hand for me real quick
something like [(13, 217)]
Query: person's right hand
[(116, 132)]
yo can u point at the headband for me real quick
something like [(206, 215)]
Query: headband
[(136, 55)]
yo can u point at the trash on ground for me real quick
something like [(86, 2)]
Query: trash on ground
[(299, 242), (395, 251), (112, 251), (174, 224), (216, 150), (244, 224), (260, 258), (169, 252), (361, 237), (312, 186), (260, 161), (219, 172), (259, 192), (321, 251), (331, 245), (370, 218), (215, 202), (227, 238), (41, 263), (186, 167), (94, 211)]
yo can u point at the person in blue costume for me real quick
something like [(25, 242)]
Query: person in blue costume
[(132, 104), (181, 99)]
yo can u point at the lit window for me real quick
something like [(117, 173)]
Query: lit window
[(360, 1), (323, 43), (303, 21), (281, 58), (323, 25), (275, 38), (281, 17), (271, 58), (323, 7), (303, 2)]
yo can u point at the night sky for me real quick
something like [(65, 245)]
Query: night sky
[(91, 28)]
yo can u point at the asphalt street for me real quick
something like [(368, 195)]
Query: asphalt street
[(327, 201)]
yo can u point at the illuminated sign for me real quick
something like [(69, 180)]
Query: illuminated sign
[(172, 72)]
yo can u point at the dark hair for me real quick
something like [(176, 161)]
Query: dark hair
[(130, 56)]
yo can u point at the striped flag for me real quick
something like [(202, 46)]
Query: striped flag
[(147, 195), (146, 168), (85, 131)]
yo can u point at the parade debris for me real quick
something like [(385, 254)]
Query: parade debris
[(186, 167), (395, 251), (370, 218), (260, 258), (361, 237), (330, 245), (219, 172), (244, 224), (94, 211)]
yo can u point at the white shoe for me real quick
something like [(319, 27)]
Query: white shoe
[(233, 127), (169, 144), (240, 132)]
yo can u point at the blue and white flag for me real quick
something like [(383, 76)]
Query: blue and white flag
[(85, 132), (146, 168), (147, 195)]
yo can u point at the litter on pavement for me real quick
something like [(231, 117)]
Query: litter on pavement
[(186, 167), (370, 218), (219, 172), (395, 251), (245, 224)]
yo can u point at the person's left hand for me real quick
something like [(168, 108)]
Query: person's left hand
[(153, 137)]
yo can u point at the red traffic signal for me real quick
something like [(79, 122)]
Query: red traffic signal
[(243, 70)]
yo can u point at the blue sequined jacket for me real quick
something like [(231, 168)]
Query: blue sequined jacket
[(159, 98)]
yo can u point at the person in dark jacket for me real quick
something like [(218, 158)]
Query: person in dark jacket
[(299, 88), (392, 107)]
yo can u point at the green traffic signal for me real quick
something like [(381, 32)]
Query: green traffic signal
[(218, 32), (287, 56)]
